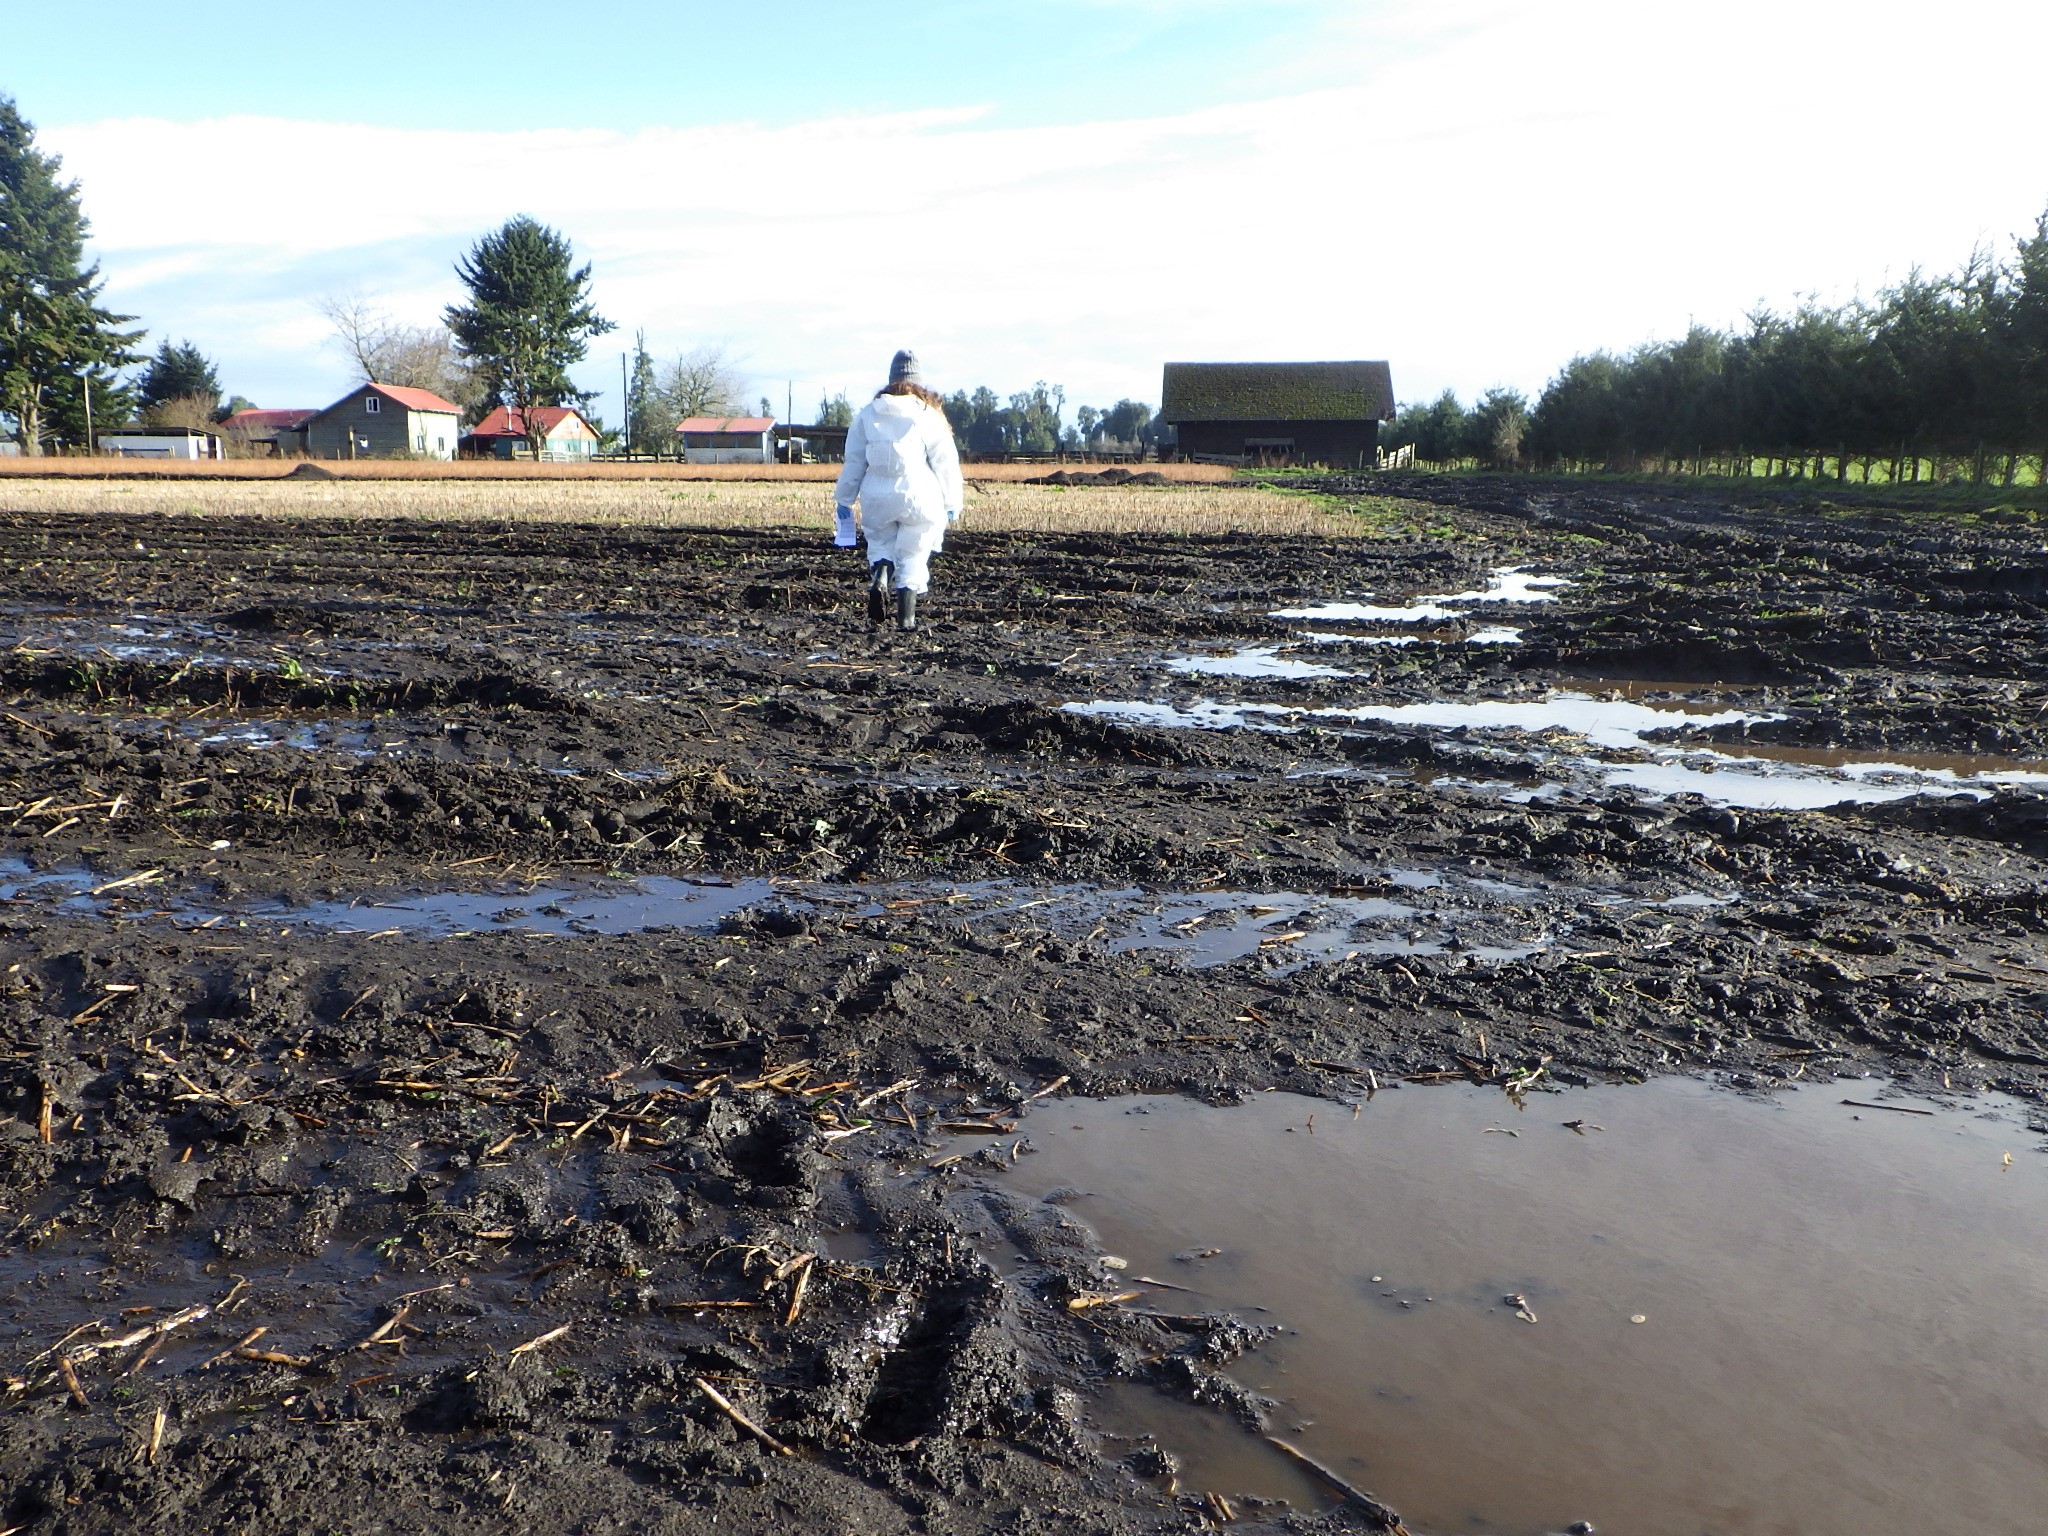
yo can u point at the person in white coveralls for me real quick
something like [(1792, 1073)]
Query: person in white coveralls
[(903, 469)]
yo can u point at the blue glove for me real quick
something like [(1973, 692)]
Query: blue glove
[(952, 514), (842, 528)]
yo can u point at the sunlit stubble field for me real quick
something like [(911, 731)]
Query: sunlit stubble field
[(991, 507)]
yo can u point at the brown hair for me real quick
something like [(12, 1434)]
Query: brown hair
[(930, 397)]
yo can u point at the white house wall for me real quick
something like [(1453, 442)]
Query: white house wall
[(432, 434), (764, 453)]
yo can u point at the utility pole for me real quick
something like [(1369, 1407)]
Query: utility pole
[(91, 446), (626, 404)]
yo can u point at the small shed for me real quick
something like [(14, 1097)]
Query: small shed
[(568, 436), (809, 444), (1278, 413), (274, 430), (727, 439), (162, 443), (383, 421)]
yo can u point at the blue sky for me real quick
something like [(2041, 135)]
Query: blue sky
[(1071, 190), (631, 64)]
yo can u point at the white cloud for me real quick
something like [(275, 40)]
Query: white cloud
[(1490, 188)]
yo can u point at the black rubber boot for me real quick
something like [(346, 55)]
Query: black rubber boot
[(906, 610), (878, 591)]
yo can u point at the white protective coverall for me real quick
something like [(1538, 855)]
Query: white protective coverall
[(901, 463)]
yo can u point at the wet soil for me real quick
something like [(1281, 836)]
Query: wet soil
[(520, 1225)]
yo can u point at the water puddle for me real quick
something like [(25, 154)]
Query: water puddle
[(1666, 1309), (1292, 929), (1750, 775), (1509, 584), (1612, 723), (1760, 780), (1269, 662), (658, 901), (146, 638), (263, 733), (1401, 912), (1261, 661), (612, 907)]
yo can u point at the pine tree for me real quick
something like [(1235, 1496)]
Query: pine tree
[(54, 337), (529, 318), (646, 431), (180, 372)]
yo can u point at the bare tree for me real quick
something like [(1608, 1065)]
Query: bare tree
[(200, 412), (360, 329), (386, 351), (701, 382)]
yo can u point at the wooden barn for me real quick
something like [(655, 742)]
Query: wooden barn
[(1278, 413)]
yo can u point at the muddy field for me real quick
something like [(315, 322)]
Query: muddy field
[(521, 1028)]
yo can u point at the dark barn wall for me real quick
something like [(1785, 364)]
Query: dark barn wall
[(1340, 444)]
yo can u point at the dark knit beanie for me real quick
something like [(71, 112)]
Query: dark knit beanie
[(903, 368)]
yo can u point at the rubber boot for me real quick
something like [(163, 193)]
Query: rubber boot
[(906, 609), (878, 591)]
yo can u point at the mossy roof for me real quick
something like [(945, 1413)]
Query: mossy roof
[(1277, 392)]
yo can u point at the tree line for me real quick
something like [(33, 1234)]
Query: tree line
[(1945, 375), (64, 355), (69, 365)]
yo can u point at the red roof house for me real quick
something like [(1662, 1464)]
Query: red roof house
[(384, 421), (565, 434)]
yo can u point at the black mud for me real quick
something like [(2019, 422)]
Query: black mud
[(482, 1222)]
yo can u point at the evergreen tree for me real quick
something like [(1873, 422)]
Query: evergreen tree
[(1128, 421), (56, 342), (1436, 430), (837, 411), (2026, 331), (1495, 428), (529, 318), (648, 429), (180, 372)]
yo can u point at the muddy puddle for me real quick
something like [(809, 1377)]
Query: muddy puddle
[(1506, 585), (1667, 1309), (1509, 585), (144, 637), (265, 733), (1754, 776), (1407, 912)]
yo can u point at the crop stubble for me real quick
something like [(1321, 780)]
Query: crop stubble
[(504, 1207)]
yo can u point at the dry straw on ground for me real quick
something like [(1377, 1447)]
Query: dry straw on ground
[(992, 506), (110, 467)]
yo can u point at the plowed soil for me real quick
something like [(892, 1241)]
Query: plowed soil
[(309, 1223)]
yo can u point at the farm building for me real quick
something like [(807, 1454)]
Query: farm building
[(162, 443), (1278, 413), (383, 421), (808, 444), (502, 435), (273, 430), (727, 439)]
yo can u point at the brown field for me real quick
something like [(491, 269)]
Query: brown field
[(992, 505), (109, 468)]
